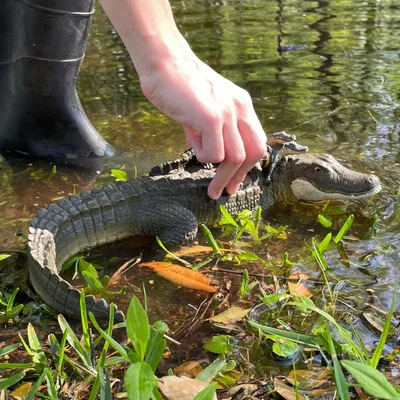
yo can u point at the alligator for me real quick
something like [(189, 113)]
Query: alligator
[(171, 206)]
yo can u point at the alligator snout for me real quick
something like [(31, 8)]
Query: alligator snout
[(321, 177), (357, 183)]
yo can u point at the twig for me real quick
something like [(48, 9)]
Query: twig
[(200, 319), (172, 340)]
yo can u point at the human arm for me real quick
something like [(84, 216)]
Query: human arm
[(217, 116)]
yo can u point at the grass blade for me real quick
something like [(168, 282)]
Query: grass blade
[(385, 332), (12, 380), (290, 335), (32, 392), (207, 393), (184, 262), (8, 349), (113, 343), (343, 230), (211, 240), (340, 381)]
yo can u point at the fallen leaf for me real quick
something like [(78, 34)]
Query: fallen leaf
[(230, 315), (181, 388), (298, 275), (200, 249), (22, 390), (246, 390), (296, 288), (286, 391), (309, 379), (181, 276), (188, 368), (361, 394), (119, 273)]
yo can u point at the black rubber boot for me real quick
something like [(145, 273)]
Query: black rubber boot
[(42, 45)]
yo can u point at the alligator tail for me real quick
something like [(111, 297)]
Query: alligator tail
[(53, 289), (64, 298)]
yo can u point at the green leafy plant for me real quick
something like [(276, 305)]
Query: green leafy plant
[(119, 175)]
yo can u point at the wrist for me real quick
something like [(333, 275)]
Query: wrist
[(153, 52)]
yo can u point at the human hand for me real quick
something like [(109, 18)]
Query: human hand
[(218, 117)]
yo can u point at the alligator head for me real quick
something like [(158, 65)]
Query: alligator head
[(318, 177)]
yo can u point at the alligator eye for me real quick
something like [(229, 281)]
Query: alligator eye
[(317, 168)]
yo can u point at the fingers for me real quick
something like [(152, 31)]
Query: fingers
[(254, 142), (234, 157), (209, 144), (239, 145)]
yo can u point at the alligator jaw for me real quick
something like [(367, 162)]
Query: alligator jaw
[(306, 190)]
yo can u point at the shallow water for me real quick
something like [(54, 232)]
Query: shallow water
[(338, 92)]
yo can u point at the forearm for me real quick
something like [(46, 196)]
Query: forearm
[(148, 30)]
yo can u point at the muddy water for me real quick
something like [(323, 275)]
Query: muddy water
[(326, 71)]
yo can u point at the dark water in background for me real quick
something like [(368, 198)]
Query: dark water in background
[(340, 94)]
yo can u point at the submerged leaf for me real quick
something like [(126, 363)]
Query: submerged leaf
[(119, 175), (181, 276), (232, 314), (201, 249), (286, 391), (325, 220), (219, 344)]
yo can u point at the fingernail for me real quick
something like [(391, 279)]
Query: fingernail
[(214, 195)]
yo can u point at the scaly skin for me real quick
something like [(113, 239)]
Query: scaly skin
[(171, 207)]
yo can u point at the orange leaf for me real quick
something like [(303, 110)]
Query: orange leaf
[(298, 289), (298, 275), (200, 249), (189, 368), (181, 276)]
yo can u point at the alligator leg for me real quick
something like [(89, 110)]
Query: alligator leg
[(172, 223), (42, 45)]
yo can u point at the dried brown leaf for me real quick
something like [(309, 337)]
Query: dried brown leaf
[(286, 391), (22, 390), (118, 274), (181, 388), (189, 368)]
